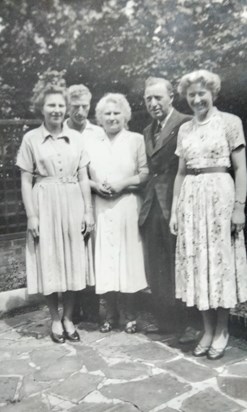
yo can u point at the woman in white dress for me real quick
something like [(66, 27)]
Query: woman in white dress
[(118, 166), (57, 199), (208, 211)]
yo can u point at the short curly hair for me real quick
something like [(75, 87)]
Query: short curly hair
[(76, 91), (50, 82), (120, 100), (208, 79)]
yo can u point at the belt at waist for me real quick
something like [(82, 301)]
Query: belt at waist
[(216, 169), (56, 179)]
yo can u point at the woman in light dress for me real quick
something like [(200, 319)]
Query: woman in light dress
[(117, 168), (208, 211), (57, 199)]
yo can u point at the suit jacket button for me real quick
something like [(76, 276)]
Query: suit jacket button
[(155, 174)]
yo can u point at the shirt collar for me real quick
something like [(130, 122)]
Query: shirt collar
[(46, 135), (88, 125), (163, 123)]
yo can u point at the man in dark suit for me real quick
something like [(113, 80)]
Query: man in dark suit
[(161, 141)]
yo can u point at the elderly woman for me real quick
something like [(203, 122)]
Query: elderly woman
[(117, 168), (208, 211), (56, 196)]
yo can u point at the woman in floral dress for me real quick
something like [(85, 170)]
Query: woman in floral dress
[(57, 199), (208, 211)]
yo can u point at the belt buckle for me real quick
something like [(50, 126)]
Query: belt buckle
[(63, 179)]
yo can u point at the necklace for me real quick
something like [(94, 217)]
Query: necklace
[(201, 123)]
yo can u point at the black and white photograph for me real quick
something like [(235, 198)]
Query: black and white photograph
[(123, 185)]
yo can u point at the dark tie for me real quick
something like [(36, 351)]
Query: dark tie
[(157, 133)]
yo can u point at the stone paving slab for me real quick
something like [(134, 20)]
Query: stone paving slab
[(8, 388), (60, 369), (18, 367), (106, 407), (239, 369), (91, 358), (52, 354), (77, 387), (142, 392), (210, 401), (127, 371), (192, 373), (235, 387), (34, 404), (115, 372), (30, 386), (149, 352)]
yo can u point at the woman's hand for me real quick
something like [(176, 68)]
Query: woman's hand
[(238, 220), (88, 224), (116, 187), (173, 224), (33, 226), (102, 190)]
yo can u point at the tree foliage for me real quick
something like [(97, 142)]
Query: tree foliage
[(115, 44)]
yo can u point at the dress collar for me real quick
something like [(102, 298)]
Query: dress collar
[(46, 135)]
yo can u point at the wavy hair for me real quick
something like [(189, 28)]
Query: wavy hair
[(50, 82), (208, 79), (120, 100)]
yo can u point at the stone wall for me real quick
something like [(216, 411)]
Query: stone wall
[(12, 261)]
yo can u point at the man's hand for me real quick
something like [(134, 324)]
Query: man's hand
[(173, 224)]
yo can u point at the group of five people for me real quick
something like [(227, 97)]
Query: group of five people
[(108, 206)]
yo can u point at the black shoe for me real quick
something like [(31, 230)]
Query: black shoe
[(214, 354), (57, 337), (73, 337), (200, 350)]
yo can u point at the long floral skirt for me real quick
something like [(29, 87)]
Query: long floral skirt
[(211, 268)]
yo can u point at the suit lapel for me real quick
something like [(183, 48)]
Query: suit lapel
[(149, 139), (167, 133)]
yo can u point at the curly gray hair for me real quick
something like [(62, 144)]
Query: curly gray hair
[(120, 100)]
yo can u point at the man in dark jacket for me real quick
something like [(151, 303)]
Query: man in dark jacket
[(161, 141)]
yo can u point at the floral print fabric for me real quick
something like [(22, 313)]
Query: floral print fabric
[(211, 269)]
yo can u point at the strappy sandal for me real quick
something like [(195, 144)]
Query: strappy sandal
[(130, 327), (106, 327)]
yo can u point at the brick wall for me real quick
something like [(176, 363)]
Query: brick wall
[(12, 261)]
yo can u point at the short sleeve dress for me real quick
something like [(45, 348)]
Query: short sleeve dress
[(211, 269), (56, 262), (119, 259)]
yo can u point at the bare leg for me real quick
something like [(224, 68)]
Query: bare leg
[(69, 298), (52, 303), (221, 334), (208, 317)]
